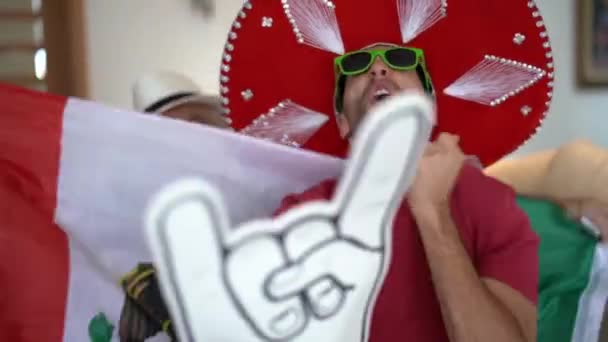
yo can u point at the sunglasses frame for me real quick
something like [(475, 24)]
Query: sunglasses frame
[(375, 53)]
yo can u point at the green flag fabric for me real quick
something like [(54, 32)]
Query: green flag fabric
[(572, 283)]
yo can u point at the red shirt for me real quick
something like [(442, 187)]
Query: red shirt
[(495, 232)]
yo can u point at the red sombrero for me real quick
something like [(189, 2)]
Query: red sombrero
[(490, 62)]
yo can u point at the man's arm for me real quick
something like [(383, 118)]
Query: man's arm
[(524, 174), (504, 249), (473, 308), (573, 171)]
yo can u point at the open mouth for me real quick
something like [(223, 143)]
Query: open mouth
[(380, 95)]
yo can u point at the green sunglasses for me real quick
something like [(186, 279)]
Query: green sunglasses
[(397, 58)]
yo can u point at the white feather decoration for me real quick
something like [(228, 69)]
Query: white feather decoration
[(288, 123), (416, 16), (314, 23), (493, 80)]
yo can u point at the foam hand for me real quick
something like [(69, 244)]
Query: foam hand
[(310, 275)]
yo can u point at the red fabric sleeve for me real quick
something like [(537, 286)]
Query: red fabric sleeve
[(506, 247), (323, 191)]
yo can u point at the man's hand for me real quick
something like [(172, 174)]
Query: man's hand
[(310, 275), (437, 173)]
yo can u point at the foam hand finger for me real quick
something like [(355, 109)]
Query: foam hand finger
[(323, 292), (327, 280), (382, 165), (186, 225), (330, 266), (324, 264), (247, 266)]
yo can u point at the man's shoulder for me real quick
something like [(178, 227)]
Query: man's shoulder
[(476, 188), (488, 207), (321, 191), (490, 210)]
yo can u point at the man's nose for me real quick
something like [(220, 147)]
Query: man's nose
[(378, 68)]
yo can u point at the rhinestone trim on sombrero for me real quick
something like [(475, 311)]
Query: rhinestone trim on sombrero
[(550, 64), (227, 56), (247, 94), (267, 22), (525, 110), (519, 38)]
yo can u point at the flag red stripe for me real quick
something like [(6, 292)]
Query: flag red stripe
[(34, 252), (30, 136)]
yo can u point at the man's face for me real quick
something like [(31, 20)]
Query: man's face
[(363, 91), (198, 113)]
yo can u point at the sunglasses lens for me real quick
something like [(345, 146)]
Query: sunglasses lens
[(356, 62), (401, 58)]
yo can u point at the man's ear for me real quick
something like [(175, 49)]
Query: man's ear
[(343, 125)]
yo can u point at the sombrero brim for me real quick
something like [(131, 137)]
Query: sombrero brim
[(265, 64)]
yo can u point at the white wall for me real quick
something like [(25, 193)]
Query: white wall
[(127, 38)]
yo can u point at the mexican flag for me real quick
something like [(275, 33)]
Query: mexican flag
[(573, 287), (75, 177)]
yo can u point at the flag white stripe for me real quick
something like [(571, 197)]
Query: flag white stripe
[(112, 161), (90, 292), (593, 300)]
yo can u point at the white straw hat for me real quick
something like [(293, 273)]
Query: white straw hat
[(160, 91)]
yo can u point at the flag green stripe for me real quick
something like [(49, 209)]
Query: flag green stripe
[(565, 261)]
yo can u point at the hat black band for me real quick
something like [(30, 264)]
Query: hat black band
[(165, 101)]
